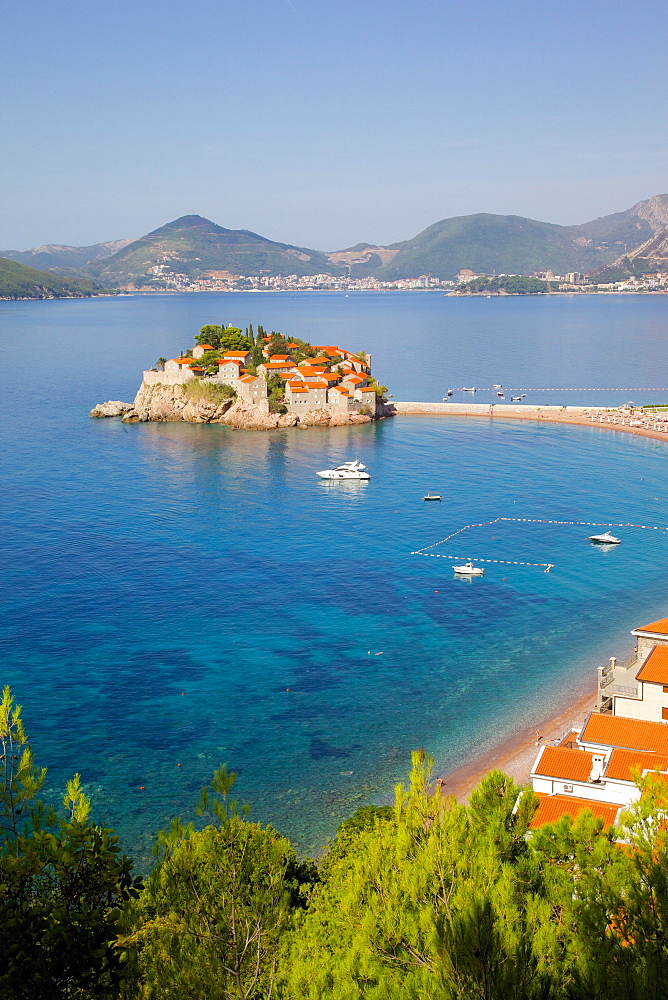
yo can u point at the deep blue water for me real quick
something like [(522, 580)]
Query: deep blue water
[(164, 585)]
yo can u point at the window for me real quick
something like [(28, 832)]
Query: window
[(665, 688), (664, 713)]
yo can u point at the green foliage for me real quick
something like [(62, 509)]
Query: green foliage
[(209, 922), (198, 390), (224, 338), (62, 882), (20, 282), (210, 334), (160, 363), (427, 904), (513, 284)]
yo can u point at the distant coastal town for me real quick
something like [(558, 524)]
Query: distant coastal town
[(467, 282)]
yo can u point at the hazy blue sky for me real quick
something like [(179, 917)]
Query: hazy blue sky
[(325, 123)]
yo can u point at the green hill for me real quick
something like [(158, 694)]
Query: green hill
[(20, 282), (195, 246), (495, 244)]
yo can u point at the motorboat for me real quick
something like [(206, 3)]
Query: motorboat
[(516, 399), (605, 539), (500, 395), (433, 496), (464, 389), (347, 470), (468, 569), (497, 387)]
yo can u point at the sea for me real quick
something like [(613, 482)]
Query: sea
[(175, 596)]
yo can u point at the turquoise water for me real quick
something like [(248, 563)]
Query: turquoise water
[(164, 585)]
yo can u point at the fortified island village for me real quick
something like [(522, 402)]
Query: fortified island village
[(256, 382)]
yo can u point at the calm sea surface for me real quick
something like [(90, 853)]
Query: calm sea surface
[(177, 596)]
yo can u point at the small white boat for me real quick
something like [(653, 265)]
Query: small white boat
[(347, 470), (468, 569), (464, 389), (515, 399), (497, 387), (605, 539), (433, 496)]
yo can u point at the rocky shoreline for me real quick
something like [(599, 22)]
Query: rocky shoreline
[(161, 402)]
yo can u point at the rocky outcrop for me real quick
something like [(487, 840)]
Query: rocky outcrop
[(163, 402), (113, 408)]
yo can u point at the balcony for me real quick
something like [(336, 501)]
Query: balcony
[(617, 679)]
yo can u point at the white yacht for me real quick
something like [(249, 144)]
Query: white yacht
[(347, 470), (471, 389), (468, 569), (605, 539)]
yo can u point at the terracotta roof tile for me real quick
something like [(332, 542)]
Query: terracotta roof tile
[(553, 807), (206, 347), (622, 762), (568, 765), (631, 734), (659, 628), (655, 668)]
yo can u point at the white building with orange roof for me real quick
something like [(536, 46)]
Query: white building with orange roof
[(201, 349), (243, 357), (638, 689), (607, 774), (229, 370), (275, 367)]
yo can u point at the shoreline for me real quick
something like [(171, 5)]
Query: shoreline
[(578, 416), (516, 754)]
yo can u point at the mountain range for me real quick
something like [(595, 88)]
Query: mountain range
[(483, 243)]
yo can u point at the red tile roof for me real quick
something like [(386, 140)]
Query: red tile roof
[(553, 807), (229, 361), (655, 668), (297, 388), (236, 355), (206, 347), (659, 628), (568, 765), (248, 378), (622, 762), (273, 365), (280, 357), (183, 361), (632, 734)]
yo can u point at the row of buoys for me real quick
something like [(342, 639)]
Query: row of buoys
[(505, 562), (527, 520)]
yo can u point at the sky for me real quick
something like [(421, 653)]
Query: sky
[(327, 123)]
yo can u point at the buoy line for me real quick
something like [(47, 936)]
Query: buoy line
[(527, 520), (492, 389), (504, 562)]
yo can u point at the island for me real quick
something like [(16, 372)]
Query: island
[(258, 381)]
